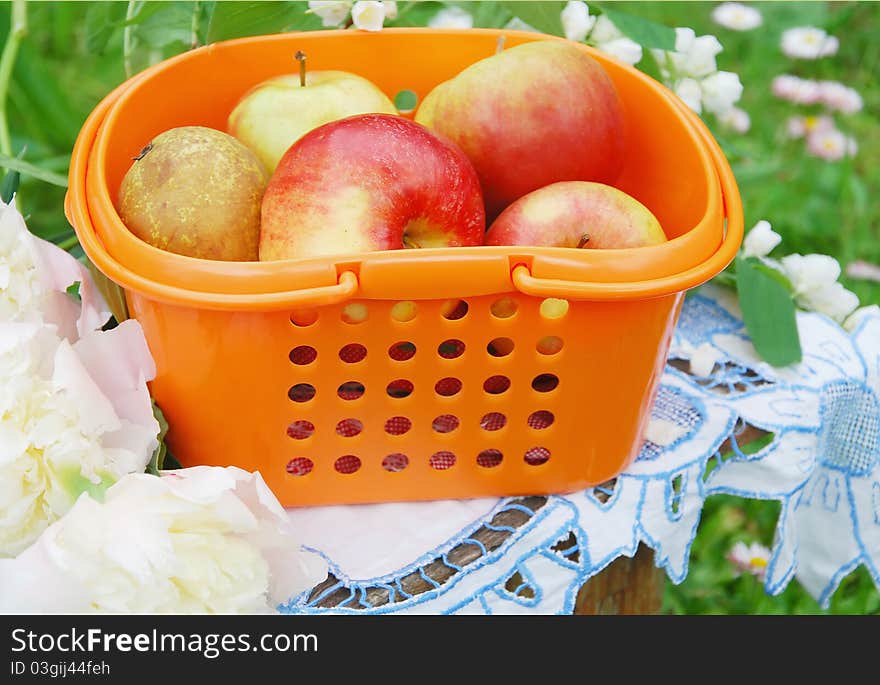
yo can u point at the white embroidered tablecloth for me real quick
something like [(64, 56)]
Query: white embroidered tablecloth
[(823, 464)]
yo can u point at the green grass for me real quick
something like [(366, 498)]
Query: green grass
[(73, 55)]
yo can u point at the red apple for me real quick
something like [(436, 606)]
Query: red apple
[(370, 182), (576, 214), (530, 116)]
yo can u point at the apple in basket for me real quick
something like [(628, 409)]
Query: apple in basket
[(279, 111), (530, 116), (370, 182), (577, 214)]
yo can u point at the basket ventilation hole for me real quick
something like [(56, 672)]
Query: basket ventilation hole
[(553, 308), (300, 466), (550, 344), (402, 351), (450, 349), (300, 430), (445, 423), (453, 310), (489, 459), (447, 387), (303, 355), (541, 419), (350, 390), (303, 318), (493, 421), (545, 382), (352, 353), (395, 462), (400, 388), (440, 461), (495, 385), (348, 428), (404, 311), (347, 464), (503, 308), (537, 456), (405, 101), (355, 312), (397, 425), (301, 392), (500, 347)]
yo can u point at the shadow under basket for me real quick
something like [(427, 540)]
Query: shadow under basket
[(408, 374)]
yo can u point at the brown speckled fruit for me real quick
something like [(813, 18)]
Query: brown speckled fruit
[(195, 191)]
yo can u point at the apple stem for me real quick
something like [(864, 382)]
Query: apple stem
[(499, 44), (583, 241), (301, 58), (408, 242)]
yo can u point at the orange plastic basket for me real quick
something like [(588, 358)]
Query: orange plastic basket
[(310, 372)]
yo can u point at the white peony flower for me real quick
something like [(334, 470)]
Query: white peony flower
[(736, 119), (736, 16), (797, 90), (863, 271), (73, 418), (760, 241), (720, 91), (368, 15), (332, 13), (839, 97), (576, 21), (753, 559), (830, 145), (452, 18), (689, 91), (808, 42), (21, 291), (622, 49), (814, 280), (198, 540)]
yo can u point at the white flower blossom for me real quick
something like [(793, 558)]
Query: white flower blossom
[(831, 145), (736, 119), (753, 559), (689, 91), (452, 18), (703, 360), (720, 91), (368, 15), (199, 540), (839, 97), (797, 90), (623, 50), (604, 31), (737, 16), (390, 9), (332, 12), (808, 42), (863, 271), (21, 292), (853, 320), (761, 240), (576, 21), (814, 280), (798, 127)]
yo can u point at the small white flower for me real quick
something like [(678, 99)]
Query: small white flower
[(853, 320), (735, 119), (693, 57), (736, 16), (760, 241), (863, 271), (689, 91), (390, 9), (753, 559), (808, 42), (198, 540), (814, 280), (839, 97), (832, 300), (684, 38), (720, 91), (797, 90), (604, 31), (576, 21), (331, 12), (703, 360), (622, 49), (830, 145), (368, 15), (452, 18), (798, 127)]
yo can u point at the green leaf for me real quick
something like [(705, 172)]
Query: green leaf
[(29, 169), (171, 24), (768, 313), (101, 20), (9, 186), (238, 19), (544, 16), (648, 34), (73, 290)]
